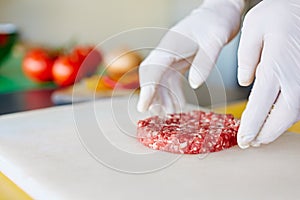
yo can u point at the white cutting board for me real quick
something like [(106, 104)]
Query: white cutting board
[(89, 152)]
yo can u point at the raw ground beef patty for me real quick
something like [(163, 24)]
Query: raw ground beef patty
[(193, 132)]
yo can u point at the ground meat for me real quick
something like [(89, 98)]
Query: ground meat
[(189, 133)]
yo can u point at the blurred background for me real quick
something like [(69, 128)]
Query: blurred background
[(59, 23)]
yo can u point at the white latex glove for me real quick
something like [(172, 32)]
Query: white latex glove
[(197, 39), (270, 51)]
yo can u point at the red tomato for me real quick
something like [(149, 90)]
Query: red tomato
[(64, 71), (79, 53), (37, 65), (88, 56), (82, 61)]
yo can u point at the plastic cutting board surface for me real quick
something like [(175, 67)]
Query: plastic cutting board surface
[(45, 153)]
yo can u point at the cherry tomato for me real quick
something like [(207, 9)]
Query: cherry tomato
[(88, 56), (82, 61), (37, 65), (64, 71)]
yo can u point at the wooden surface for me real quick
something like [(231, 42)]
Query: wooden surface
[(9, 191)]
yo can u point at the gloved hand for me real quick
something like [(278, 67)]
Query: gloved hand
[(195, 41), (270, 51)]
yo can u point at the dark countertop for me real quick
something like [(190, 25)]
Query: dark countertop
[(25, 100)]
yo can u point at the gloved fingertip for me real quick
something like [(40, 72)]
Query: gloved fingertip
[(141, 107), (194, 81), (255, 143), (243, 146), (245, 76), (193, 84), (244, 83), (145, 99), (244, 141)]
